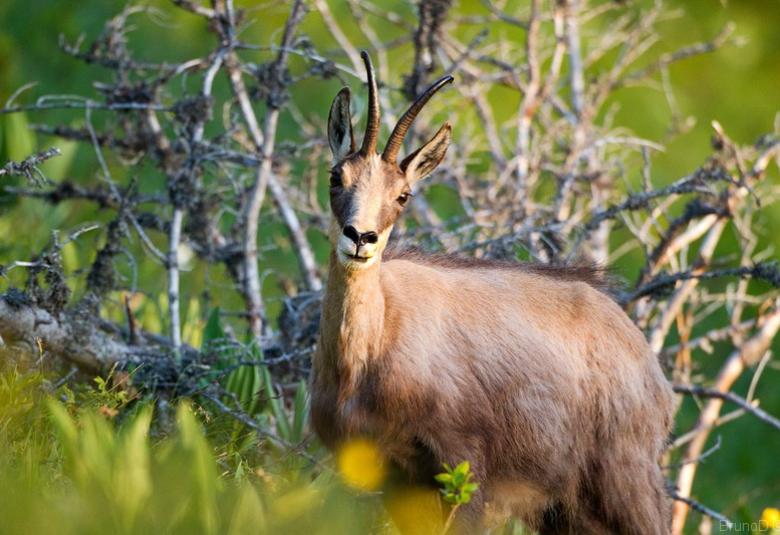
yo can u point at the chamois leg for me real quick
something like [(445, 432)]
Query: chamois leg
[(558, 521), (469, 517), (631, 499)]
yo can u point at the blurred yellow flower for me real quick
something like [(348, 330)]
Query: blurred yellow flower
[(770, 518), (416, 511), (361, 464)]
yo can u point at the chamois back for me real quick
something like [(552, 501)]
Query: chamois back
[(591, 273)]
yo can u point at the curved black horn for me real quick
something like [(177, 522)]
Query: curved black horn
[(372, 121), (390, 153)]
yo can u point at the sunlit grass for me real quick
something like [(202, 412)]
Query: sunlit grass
[(72, 468)]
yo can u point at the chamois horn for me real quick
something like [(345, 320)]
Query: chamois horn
[(390, 153), (372, 121)]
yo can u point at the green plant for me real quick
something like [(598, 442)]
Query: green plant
[(457, 488), (289, 427), (25, 445), (109, 475), (248, 385), (241, 381)]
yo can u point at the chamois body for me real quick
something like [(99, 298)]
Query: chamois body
[(532, 373), (538, 379)]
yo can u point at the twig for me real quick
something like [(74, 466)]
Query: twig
[(528, 105), (767, 271), (703, 509), (265, 144), (751, 407), (28, 167)]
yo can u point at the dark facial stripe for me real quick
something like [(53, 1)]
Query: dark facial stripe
[(341, 204), (343, 199), (344, 195)]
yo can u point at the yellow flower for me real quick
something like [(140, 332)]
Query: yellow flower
[(361, 464), (416, 511), (770, 518)]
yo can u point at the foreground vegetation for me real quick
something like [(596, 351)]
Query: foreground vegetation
[(90, 461), (98, 459)]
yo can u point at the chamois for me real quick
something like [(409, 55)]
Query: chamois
[(530, 372)]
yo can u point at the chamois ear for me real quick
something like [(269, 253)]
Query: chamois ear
[(340, 137), (424, 160)]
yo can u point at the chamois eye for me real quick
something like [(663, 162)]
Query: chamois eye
[(335, 180), (403, 198)]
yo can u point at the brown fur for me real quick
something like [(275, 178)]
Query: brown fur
[(541, 382), (532, 373), (592, 274)]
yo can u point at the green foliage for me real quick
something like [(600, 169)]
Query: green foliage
[(213, 331), (244, 384), (107, 395), (110, 470), (20, 141), (109, 475), (457, 489), (24, 438), (249, 386), (457, 485)]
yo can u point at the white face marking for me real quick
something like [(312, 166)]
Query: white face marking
[(369, 254), (364, 216), (356, 264)]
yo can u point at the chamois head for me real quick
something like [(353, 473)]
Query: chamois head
[(369, 190)]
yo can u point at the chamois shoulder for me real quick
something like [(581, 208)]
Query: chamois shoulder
[(592, 274)]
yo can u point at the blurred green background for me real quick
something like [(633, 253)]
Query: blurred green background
[(739, 86)]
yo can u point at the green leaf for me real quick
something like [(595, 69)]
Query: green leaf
[(458, 479), (132, 473), (19, 139), (203, 468), (213, 329), (277, 408), (57, 168), (443, 478), (470, 487), (300, 412), (244, 389), (457, 485), (65, 427), (252, 387), (231, 382), (248, 515)]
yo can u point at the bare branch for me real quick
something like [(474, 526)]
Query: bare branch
[(751, 407), (703, 509), (28, 167)]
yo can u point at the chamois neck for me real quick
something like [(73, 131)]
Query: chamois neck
[(342, 280), (353, 316)]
